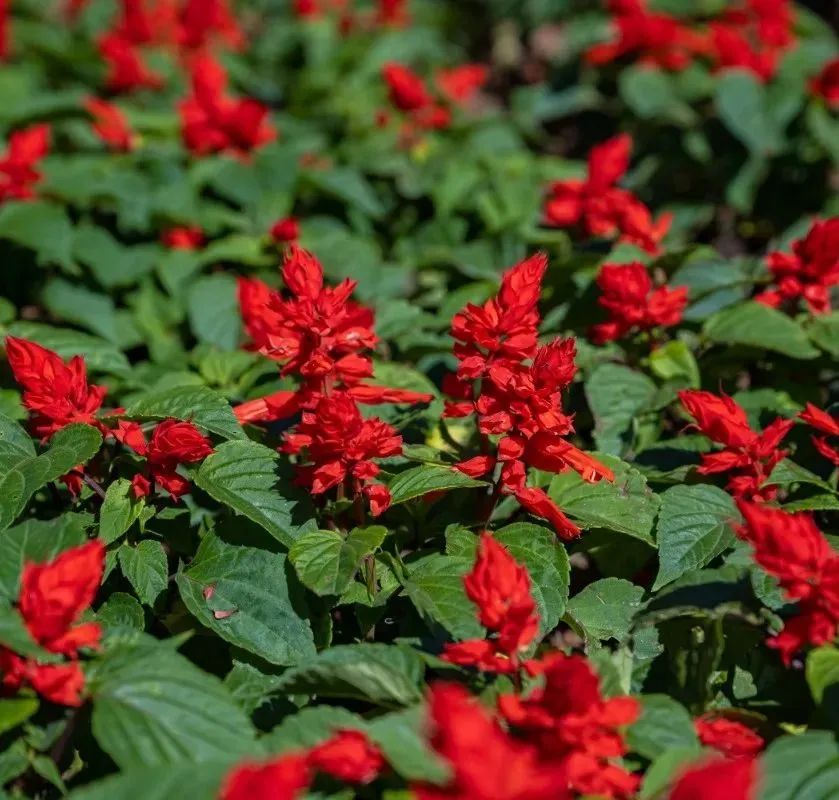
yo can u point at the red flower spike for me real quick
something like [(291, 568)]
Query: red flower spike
[(721, 779), (791, 547), (809, 272), (459, 85), (727, 736), (110, 125), (537, 502), (19, 173), (213, 122), (486, 763), (204, 22), (126, 69), (285, 778), (573, 726), (599, 208), (5, 36), (407, 90), (633, 304), (749, 455), (348, 756), (55, 393), (52, 598), (822, 421), (393, 13), (183, 238)]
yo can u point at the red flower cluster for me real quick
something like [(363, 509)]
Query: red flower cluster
[(727, 736), (172, 443), (750, 456), (285, 230), (339, 446), (826, 84), (348, 756), (110, 125), (213, 122), (205, 22), (56, 394), (794, 550), (515, 388), (824, 422), (52, 598), (387, 13), (809, 272), (655, 39), (752, 35), (320, 335), (424, 110), (722, 779), (184, 238), (599, 208), (500, 588), (633, 304), (486, 762), (573, 726), (19, 173)]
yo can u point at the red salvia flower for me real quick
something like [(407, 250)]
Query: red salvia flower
[(349, 756), (633, 304), (284, 778), (826, 84), (19, 173), (307, 9), (727, 736), (572, 725), (172, 443), (110, 125), (809, 272), (393, 13), (721, 779), (655, 39), (204, 22), (500, 587), (486, 763), (136, 23), (460, 84), (408, 93), (5, 36), (126, 69), (824, 422), (339, 445), (52, 598), (285, 230), (213, 122), (750, 456), (794, 550), (183, 238), (54, 392), (599, 208)]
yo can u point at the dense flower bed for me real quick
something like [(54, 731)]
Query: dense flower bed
[(409, 398)]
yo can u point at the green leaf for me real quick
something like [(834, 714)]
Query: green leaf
[(349, 185), (743, 107), (15, 711), (822, 671), (119, 511), (145, 566), (161, 782), (242, 475), (804, 767), (616, 395), (756, 325), (823, 331), (661, 772), (435, 587), (605, 609), (401, 735), (122, 610), (198, 404), (153, 707), (425, 479), (15, 635), (36, 541), (625, 505), (652, 94), (310, 727), (694, 527), (663, 725), (242, 594), (213, 310), (385, 675), (326, 562), (673, 362), (42, 227), (15, 443)]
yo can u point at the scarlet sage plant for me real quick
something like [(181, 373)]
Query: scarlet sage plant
[(400, 401)]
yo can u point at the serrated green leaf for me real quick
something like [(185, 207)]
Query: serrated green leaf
[(425, 479), (119, 511), (605, 609), (616, 394), (664, 724), (145, 566)]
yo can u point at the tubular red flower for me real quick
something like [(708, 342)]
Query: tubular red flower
[(732, 779), (826, 84), (126, 69), (285, 230), (19, 173), (284, 778), (54, 392), (460, 84), (822, 421), (727, 736), (110, 125), (349, 756), (183, 238), (204, 22)]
